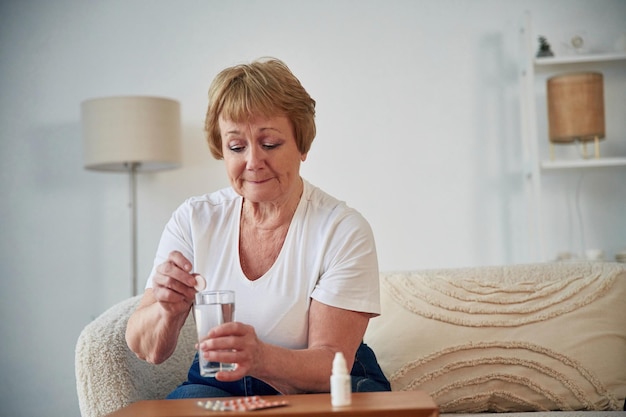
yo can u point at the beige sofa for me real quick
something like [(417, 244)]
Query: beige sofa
[(511, 339)]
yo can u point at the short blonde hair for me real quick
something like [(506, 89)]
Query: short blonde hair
[(264, 87)]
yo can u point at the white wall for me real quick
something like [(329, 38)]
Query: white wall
[(418, 127)]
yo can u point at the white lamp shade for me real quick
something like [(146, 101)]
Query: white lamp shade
[(120, 131)]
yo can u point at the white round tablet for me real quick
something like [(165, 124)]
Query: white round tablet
[(200, 283)]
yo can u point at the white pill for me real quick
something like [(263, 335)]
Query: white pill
[(200, 283)]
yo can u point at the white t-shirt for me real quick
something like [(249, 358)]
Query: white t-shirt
[(329, 254)]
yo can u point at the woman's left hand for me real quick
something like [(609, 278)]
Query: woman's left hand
[(289, 371), (233, 342)]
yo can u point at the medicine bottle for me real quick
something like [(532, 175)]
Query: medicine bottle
[(340, 385)]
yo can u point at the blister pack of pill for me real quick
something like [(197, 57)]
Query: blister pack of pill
[(241, 404)]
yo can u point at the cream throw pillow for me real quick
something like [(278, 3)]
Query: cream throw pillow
[(514, 338)]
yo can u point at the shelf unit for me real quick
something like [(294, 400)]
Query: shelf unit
[(583, 163), (579, 59), (535, 165)]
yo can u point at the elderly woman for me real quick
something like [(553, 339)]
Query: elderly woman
[(303, 264)]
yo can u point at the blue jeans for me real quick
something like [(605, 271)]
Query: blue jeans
[(366, 376)]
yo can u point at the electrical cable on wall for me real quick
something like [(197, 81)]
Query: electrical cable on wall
[(579, 213)]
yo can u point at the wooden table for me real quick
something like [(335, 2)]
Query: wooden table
[(387, 404)]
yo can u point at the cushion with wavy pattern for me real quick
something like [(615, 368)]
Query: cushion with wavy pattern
[(512, 338)]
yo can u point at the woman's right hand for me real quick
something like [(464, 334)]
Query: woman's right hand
[(152, 330), (173, 284)]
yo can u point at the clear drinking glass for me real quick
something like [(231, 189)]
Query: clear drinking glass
[(211, 309)]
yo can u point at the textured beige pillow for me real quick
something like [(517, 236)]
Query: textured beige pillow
[(513, 338)]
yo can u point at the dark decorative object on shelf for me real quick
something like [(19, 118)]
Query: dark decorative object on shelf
[(544, 48)]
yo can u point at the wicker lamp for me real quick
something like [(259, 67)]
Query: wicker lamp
[(576, 110)]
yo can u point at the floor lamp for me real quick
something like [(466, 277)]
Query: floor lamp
[(131, 134)]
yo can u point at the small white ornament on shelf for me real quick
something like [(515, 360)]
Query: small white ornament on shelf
[(577, 43), (595, 254)]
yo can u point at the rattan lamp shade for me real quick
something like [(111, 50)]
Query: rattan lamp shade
[(576, 107), (118, 131)]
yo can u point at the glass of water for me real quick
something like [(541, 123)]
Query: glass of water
[(211, 309)]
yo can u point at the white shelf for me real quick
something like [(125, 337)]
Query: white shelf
[(584, 163), (579, 59), (536, 166)]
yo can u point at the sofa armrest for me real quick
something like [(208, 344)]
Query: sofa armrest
[(109, 376)]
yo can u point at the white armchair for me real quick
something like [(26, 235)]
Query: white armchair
[(109, 376)]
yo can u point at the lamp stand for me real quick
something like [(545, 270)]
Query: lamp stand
[(132, 205), (131, 134)]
